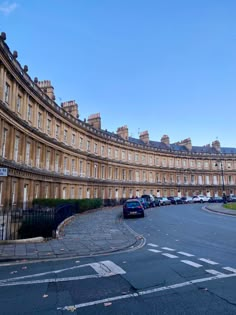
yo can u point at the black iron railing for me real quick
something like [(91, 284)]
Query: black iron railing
[(20, 224)]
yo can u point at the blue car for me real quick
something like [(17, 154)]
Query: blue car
[(144, 202), (133, 207), (216, 199)]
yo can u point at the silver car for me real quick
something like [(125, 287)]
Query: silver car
[(164, 201)]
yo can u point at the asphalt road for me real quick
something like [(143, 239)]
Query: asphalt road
[(187, 266)]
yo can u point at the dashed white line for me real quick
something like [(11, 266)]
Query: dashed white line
[(214, 272), (210, 262), (153, 245), (145, 292), (169, 255), (167, 248), (230, 269), (191, 263), (185, 254), (154, 250)]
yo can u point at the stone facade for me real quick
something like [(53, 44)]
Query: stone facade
[(50, 153)]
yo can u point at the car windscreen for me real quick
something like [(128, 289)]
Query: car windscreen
[(132, 204)]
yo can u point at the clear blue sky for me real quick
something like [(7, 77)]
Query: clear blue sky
[(166, 66)]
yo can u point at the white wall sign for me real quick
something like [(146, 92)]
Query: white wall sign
[(3, 171)]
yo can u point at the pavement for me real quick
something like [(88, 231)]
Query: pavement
[(92, 233), (95, 232), (218, 208)]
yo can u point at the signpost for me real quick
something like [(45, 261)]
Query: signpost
[(3, 171)]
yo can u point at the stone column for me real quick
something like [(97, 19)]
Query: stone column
[(12, 143), (13, 98), (24, 105), (2, 83)]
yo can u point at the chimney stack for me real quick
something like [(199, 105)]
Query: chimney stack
[(165, 139), (187, 143), (47, 88), (216, 145), (144, 136), (123, 132), (95, 120), (71, 107)]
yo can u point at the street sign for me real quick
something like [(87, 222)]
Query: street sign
[(3, 171)]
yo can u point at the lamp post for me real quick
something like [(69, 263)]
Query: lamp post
[(222, 178)]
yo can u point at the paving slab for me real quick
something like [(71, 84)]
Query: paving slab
[(91, 233)]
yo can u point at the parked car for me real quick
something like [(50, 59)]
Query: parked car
[(150, 199), (187, 199), (172, 200), (164, 201), (231, 198), (133, 207), (175, 200), (200, 198), (157, 201), (216, 199), (144, 202)]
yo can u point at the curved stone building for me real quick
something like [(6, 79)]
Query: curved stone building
[(48, 152)]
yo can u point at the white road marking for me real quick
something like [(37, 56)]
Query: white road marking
[(153, 245), (154, 250), (230, 269), (107, 268), (191, 263), (167, 248), (145, 292), (208, 261), (11, 283), (45, 273), (185, 254), (169, 255), (104, 269), (214, 272)]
